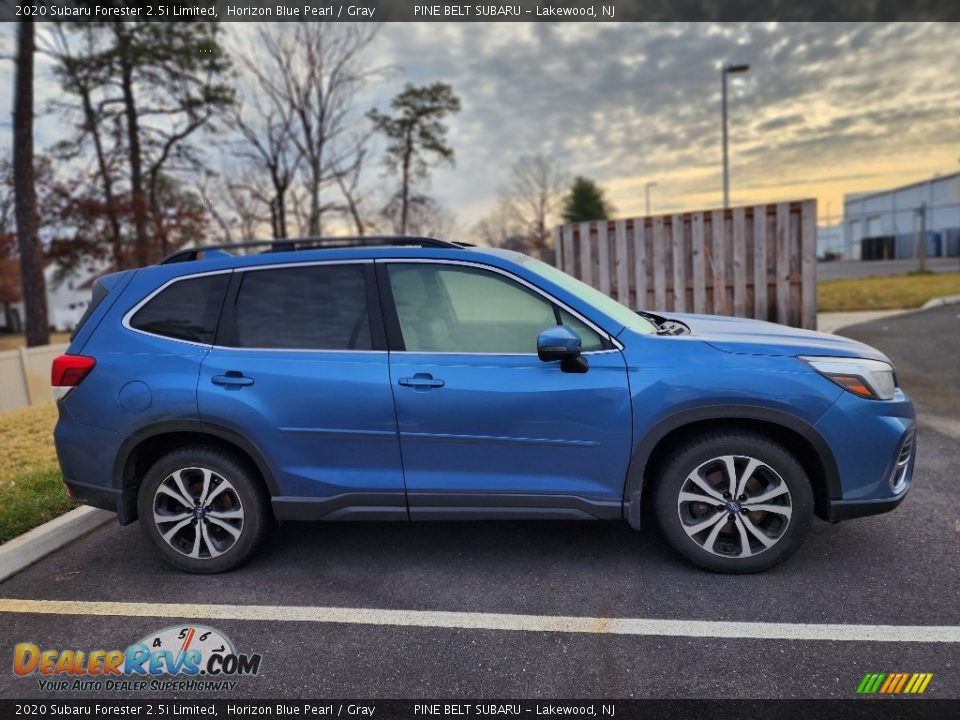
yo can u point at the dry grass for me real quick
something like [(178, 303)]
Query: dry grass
[(885, 293), (13, 341), (31, 487)]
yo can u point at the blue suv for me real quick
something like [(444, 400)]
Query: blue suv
[(416, 379)]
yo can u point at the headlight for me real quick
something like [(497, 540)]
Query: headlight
[(864, 378)]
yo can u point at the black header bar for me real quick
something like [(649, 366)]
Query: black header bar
[(473, 709), (509, 11)]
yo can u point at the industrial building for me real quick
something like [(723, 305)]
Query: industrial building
[(890, 223)]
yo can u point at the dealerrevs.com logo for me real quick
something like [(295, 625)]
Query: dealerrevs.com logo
[(894, 683), (205, 656)]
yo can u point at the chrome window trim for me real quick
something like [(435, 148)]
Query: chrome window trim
[(125, 322), (617, 345), (491, 354), (296, 350), (128, 316)]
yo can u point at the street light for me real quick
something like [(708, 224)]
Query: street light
[(727, 70), (646, 192)]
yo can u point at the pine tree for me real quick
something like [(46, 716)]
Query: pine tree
[(417, 135), (586, 202)]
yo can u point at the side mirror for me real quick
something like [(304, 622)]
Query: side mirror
[(561, 343), (558, 343)]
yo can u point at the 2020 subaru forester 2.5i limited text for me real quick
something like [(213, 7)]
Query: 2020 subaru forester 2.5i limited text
[(414, 379)]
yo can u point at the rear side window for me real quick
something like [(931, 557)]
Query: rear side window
[(99, 293), (185, 310), (315, 307)]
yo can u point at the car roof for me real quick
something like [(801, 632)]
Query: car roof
[(218, 259)]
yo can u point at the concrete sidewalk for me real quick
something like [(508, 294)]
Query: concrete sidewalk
[(830, 322)]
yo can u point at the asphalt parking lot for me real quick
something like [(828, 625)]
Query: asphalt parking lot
[(899, 569)]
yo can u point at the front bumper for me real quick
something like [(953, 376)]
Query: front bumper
[(874, 445), (850, 509)]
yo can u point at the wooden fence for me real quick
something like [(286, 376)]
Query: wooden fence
[(757, 261), (25, 375)]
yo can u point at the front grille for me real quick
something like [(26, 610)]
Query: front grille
[(899, 477)]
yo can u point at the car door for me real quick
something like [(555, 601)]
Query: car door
[(485, 426), (300, 369)]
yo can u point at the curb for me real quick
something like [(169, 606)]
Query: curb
[(929, 304), (33, 545), (940, 302)]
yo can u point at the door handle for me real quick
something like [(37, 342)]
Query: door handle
[(421, 381), (232, 379)]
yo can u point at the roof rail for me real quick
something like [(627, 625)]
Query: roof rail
[(291, 244)]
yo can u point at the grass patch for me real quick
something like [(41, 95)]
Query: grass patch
[(31, 487), (885, 293), (11, 341)]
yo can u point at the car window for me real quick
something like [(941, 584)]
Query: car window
[(99, 293), (603, 303), (590, 341), (314, 307), (185, 310), (446, 308)]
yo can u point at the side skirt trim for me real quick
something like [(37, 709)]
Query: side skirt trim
[(444, 506), (439, 505)]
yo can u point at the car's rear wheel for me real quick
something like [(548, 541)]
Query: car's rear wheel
[(733, 503), (203, 509)]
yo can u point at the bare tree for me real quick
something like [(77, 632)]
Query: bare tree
[(313, 71), (267, 127), (499, 228), (243, 199), (531, 196), (354, 198), (213, 201), (34, 287), (241, 208), (425, 216)]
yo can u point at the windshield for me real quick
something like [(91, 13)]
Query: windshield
[(603, 303)]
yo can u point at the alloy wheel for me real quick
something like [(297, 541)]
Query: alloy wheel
[(198, 513), (734, 506)]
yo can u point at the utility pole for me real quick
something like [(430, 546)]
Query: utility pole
[(646, 192), (727, 70), (921, 243)]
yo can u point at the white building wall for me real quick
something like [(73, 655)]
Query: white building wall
[(67, 299), (896, 212), (830, 239)]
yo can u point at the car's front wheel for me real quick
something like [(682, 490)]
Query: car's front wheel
[(203, 509), (733, 502)]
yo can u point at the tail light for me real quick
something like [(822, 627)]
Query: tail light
[(68, 371)]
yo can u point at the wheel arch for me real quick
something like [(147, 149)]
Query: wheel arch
[(797, 435), (141, 449)]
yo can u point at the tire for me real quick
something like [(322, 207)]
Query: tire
[(711, 532), (212, 537)]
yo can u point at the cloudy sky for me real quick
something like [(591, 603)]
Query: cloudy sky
[(825, 109)]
